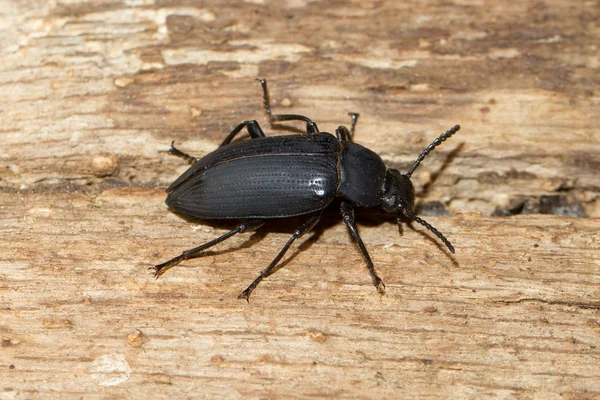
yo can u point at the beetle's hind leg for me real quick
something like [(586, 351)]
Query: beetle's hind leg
[(195, 252), (302, 229), (311, 127), (348, 214)]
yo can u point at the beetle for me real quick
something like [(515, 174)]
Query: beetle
[(289, 176)]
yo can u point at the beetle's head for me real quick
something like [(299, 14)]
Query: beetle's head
[(399, 193)]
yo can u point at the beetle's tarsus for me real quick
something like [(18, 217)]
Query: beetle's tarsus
[(345, 135), (160, 269), (379, 285), (176, 152), (354, 118), (154, 271), (311, 126), (400, 228), (266, 102), (245, 295)]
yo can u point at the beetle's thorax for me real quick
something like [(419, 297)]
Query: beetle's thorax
[(398, 192), (361, 175)]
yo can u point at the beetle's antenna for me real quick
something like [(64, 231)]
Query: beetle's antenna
[(432, 146), (427, 225)]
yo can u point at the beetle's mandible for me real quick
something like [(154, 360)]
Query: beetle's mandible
[(287, 176)]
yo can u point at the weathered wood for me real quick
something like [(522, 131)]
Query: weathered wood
[(92, 95)]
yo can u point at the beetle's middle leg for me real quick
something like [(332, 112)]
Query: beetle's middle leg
[(302, 229), (348, 214), (311, 126), (253, 129), (195, 252)]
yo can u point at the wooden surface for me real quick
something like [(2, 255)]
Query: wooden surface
[(93, 93)]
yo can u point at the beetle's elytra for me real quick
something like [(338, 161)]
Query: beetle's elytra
[(286, 176)]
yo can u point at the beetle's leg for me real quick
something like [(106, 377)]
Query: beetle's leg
[(305, 227), (399, 222), (176, 152), (343, 134), (311, 127), (195, 252), (354, 117), (348, 214), (253, 129)]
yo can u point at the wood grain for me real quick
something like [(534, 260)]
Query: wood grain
[(94, 92)]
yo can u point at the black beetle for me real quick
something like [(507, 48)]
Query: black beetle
[(287, 176)]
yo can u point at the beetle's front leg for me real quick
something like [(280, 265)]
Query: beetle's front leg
[(348, 214), (345, 135), (305, 227), (354, 118), (195, 252)]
